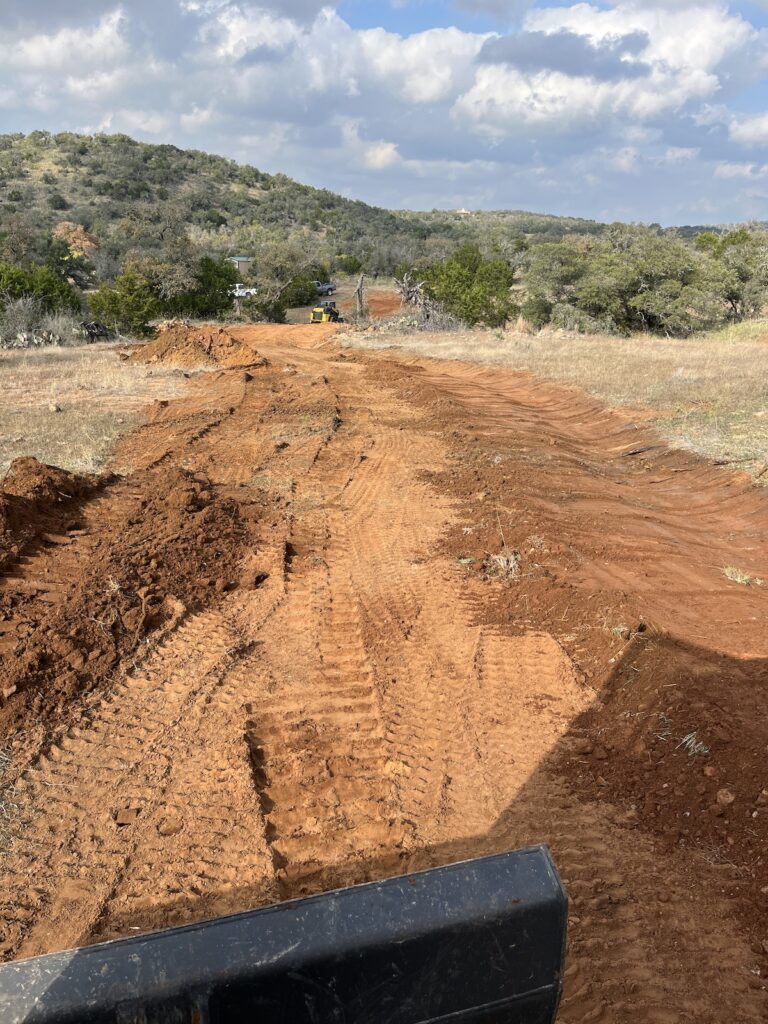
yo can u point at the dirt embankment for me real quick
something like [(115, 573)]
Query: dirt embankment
[(209, 346), (353, 617), (35, 499)]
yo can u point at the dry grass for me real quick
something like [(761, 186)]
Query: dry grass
[(68, 406), (710, 393)]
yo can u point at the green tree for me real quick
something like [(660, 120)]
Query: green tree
[(211, 291), (472, 288), (53, 293), (128, 306)]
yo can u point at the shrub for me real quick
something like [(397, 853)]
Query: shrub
[(210, 294), (48, 288), (300, 292), (128, 306), (537, 310), (272, 311), (471, 288)]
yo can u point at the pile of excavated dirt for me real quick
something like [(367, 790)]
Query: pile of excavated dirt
[(156, 555), (33, 499), (181, 344)]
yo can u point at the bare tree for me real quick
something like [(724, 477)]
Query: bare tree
[(360, 296)]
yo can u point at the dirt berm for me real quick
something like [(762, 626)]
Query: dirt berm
[(371, 615), (182, 344)]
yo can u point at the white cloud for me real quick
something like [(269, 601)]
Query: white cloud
[(626, 160), (748, 171), (680, 154), (750, 131), (395, 118)]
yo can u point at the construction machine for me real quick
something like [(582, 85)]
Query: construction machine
[(325, 313), (480, 941)]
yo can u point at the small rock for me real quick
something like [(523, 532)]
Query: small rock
[(582, 746), (127, 815), (601, 753), (710, 771), (170, 826), (54, 407), (725, 797)]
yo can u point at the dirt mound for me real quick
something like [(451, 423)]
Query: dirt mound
[(174, 548), (44, 485), (181, 344), (33, 498)]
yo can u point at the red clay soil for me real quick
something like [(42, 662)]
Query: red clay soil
[(179, 344), (349, 616), (33, 500), (380, 303)]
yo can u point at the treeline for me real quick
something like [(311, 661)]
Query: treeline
[(629, 279), (126, 232)]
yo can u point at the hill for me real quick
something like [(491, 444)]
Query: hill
[(127, 195)]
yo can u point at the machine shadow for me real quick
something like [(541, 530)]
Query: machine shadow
[(724, 700)]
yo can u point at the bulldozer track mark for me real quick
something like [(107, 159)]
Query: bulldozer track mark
[(117, 767), (347, 701), (318, 744)]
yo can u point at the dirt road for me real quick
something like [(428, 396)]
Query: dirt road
[(279, 655)]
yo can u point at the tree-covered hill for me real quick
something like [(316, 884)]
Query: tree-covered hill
[(130, 196)]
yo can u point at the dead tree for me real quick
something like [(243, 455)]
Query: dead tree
[(411, 290), (360, 297)]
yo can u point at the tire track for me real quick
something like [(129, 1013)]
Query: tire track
[(78, 805)]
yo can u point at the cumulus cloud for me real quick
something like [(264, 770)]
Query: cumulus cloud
[(750, 131), (558, 112), (570, 53)]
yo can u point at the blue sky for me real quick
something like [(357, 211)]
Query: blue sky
[(650, 110)]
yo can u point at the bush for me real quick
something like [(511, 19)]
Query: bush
[(48, 288), (537, 310), (211, 293), (471, 288), (271, 311), (24, 323), (300, 292), (128, 306)]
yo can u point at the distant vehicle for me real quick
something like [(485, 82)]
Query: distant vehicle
[(240, 291), (325, 287), (325, 313)]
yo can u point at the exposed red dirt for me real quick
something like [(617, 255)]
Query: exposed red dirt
[(349, 616), (33, 499), (179, 344), (380, 303)]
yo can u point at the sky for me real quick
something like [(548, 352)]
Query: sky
[(639, 110)]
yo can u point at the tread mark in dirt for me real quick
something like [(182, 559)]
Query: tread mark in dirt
[(319, 752), (137, 735)]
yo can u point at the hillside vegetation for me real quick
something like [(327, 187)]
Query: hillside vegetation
[(129, 232), (129, 195)]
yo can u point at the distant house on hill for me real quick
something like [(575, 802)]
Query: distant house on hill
[(243, 263)]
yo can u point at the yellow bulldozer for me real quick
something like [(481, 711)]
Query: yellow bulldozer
[(326, 313)]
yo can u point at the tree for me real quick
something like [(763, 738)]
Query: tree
[(211, 292), (128, 306), (472, 288), (51, 291)]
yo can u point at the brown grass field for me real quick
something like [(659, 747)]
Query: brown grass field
[(68, 406)]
